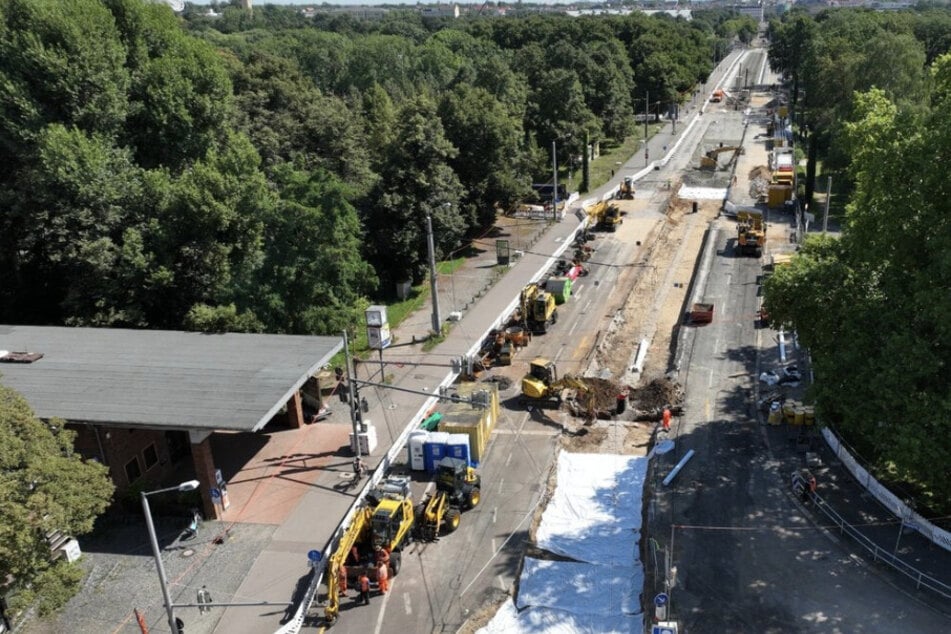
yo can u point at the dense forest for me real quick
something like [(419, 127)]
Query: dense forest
[(270, 172), (873, 96)]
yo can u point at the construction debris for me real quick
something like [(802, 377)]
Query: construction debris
[(648, 402)]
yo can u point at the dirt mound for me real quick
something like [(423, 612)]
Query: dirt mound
[(657, 394), (604, 393), (760, 171)]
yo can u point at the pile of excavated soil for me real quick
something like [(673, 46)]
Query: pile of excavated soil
[(603, 392), (657, 394)]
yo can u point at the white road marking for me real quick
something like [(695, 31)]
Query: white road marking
[(493, 545), (407, 606), (508, 460), (501, 582), (382, 615), (501, 480), (588, 305), (495, 516), (572, 331)]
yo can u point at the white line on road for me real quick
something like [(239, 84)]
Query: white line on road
[(508, 460), (587, 306), (572, 331), (501, 582), (382, 615), (495, 516), (493, 544), (407, 605), (501, 480)]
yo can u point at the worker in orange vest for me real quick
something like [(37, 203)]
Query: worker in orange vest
[(383, 577), (342, 579), (364, 584), (667, 418)]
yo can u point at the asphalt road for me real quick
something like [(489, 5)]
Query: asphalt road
[(748, 557)]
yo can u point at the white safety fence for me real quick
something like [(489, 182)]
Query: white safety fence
[(888, 499)]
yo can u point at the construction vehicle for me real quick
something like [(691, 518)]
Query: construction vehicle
[(626, 189), (604, 216), (386, 521), (717, 96), (458, 488), (542, 382), (750, 232), (538, 309), (710, 161)]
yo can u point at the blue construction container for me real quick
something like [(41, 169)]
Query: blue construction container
[(457, 446), (434, 450)]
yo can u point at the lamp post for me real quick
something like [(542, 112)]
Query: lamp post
[(437, 320), (191, 485)]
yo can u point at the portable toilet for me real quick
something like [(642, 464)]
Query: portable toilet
[(458, 447), (434, 450), (415, 443)]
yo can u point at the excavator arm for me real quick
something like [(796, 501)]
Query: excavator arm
[(338, 559)]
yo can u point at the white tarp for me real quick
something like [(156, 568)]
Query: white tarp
[(509, 620), (595, 512), (702, 193), (581, 588), (594, 517)]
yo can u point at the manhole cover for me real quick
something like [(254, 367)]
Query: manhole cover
[(188, 552)]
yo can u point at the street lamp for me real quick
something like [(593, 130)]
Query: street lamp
[(191, 485)]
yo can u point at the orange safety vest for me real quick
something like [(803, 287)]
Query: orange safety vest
[(364, 583)]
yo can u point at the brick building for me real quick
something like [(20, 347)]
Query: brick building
[(145, 403)]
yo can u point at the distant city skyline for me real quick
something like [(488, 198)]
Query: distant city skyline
[(380, 2)]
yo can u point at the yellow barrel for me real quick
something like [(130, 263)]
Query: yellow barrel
[(800, 416), (789, 412), (809, 416), (775, 414)]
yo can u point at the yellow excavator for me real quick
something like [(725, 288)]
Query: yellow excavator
[(538, 308), (710, 161), (542, 382), (386, 521)]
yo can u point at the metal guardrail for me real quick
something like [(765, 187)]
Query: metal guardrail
[(921, 579)]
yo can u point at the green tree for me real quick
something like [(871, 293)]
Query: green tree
[(489, 157), (44, 486), (416, 181), (866, 305), (313, 279)]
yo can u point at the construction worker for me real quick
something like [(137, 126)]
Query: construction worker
[(667, 418), (382, 555), (342, 579), (383, 577), (364, 585)]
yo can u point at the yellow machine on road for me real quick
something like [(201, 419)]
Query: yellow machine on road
[(542, 382), (385, 521), (458, 488), (750, 232), (710, 161), (538, 309), (626, 190)]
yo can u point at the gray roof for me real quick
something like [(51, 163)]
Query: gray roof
[(159, 378)]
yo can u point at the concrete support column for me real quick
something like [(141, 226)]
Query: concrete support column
[(295, 413), (204, 463)]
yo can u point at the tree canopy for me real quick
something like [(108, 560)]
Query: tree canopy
[(44, 487), (872, 306)]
